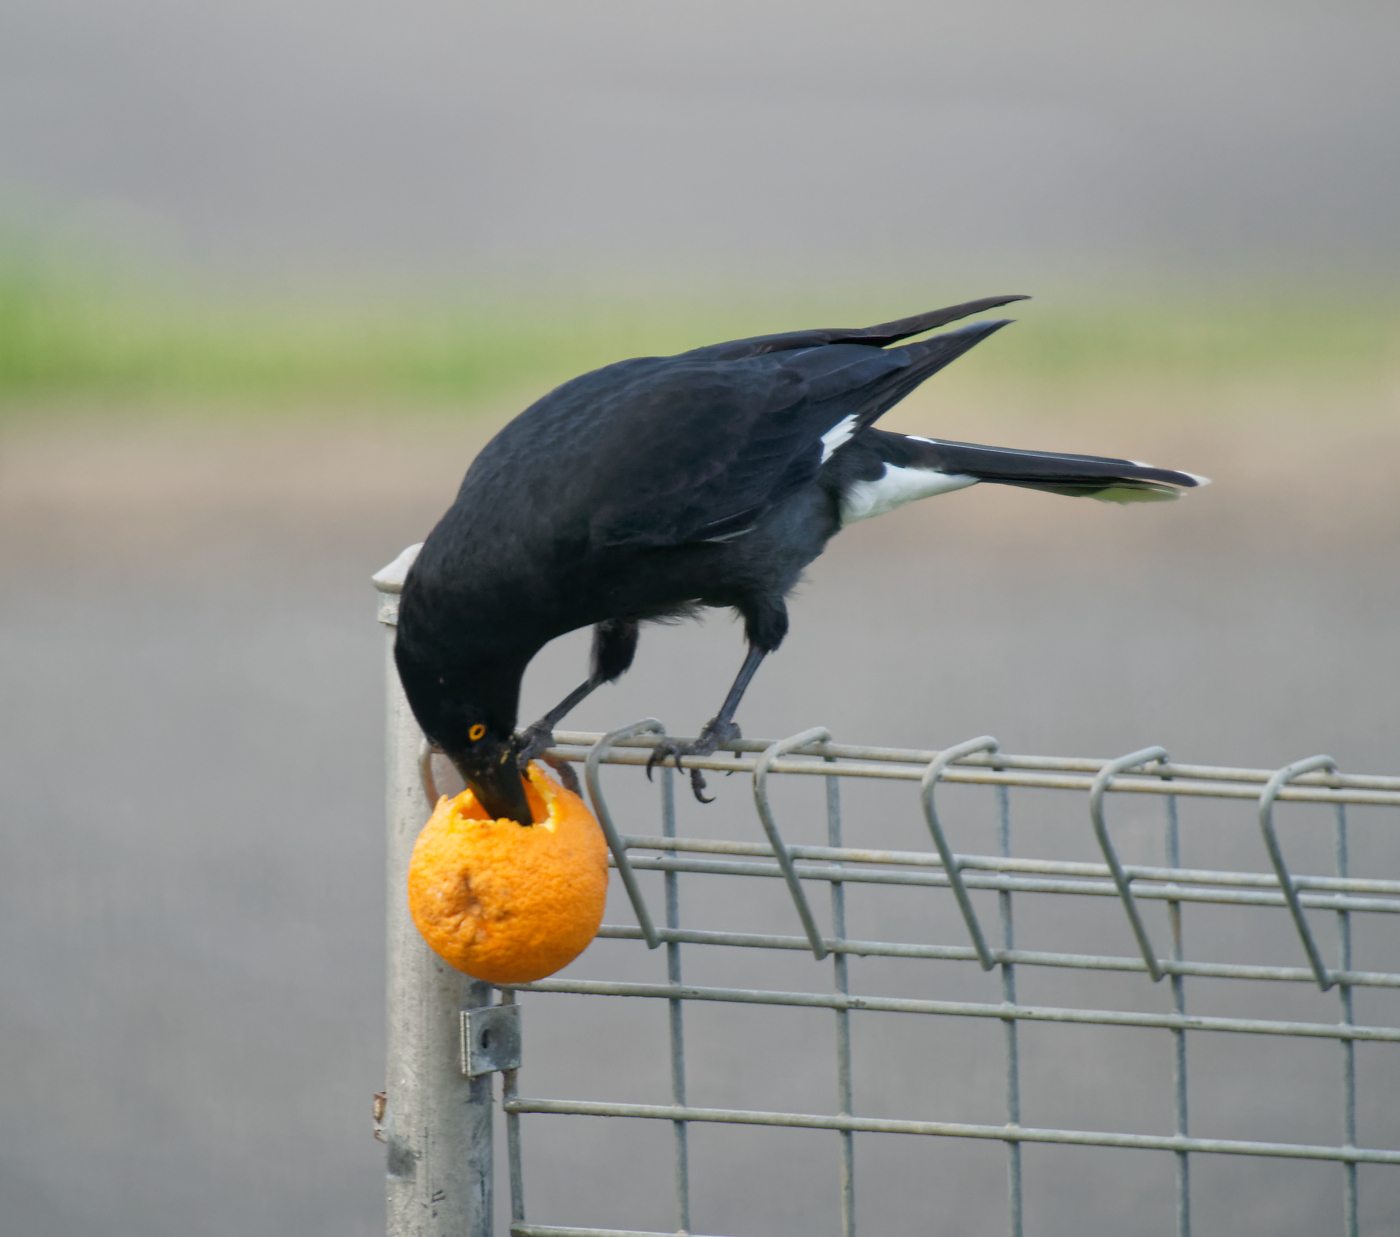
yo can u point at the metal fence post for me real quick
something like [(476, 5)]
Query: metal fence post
[(437, 1121)]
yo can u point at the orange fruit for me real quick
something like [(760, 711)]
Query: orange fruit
[(505, 902)]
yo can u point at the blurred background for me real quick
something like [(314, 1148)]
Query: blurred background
[(271, 273)]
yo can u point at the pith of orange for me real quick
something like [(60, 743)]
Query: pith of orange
[(505, 902)]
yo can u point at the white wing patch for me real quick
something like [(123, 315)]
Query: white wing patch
[(838, 436), (895, 487)]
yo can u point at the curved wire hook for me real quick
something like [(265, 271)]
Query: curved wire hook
[(426, 751), (1096, 794), (1285, 878), (648, 725), (950, 861), (818, 734)]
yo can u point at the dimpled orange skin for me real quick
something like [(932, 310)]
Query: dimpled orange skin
[(504, 902)]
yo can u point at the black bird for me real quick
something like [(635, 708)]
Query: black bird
[(653, 487)]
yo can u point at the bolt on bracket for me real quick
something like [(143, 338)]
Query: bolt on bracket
[(490, 1039)]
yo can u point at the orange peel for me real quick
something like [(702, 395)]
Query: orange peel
[(505, 902)]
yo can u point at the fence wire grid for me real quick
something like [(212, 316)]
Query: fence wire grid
[(1322, 912)]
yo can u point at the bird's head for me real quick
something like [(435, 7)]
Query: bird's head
[(486, 757), (470, 715)]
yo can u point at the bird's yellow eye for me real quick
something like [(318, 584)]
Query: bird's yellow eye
[(476, 732)]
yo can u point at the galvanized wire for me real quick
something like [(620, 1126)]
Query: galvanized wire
[(953, 1129), (972, 1009), (1014, 1190), (1024, 957), (1048, 772), (1349, 1190), (676, 1007), (843, 1018), (1179, 1072)]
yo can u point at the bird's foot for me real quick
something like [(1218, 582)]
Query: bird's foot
[(533, 742), (714, 733)]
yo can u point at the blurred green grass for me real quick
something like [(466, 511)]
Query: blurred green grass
[(81, 332)]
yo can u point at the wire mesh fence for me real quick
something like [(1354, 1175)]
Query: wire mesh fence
[(1324, 950), (1161, 995)]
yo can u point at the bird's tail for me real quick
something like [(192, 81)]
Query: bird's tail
[(1087, 476)]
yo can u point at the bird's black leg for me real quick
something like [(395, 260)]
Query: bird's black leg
[(614, 646), (719, 729), (539, 735)]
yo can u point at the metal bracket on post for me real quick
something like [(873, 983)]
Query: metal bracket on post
[(818, 734), (490, 1039), (1120, 878), (648, 725), (950, 861), (1285, 878)]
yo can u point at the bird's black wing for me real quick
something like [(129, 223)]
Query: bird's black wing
[(696, 448), (878, 336), (665, 451)]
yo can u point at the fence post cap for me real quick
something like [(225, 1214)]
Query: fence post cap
[(390, 579)]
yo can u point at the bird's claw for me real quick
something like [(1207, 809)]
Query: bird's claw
[(662, 752), (532, 743), (697, 787), (714, 733)]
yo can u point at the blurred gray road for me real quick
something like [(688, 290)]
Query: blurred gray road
[(619, 140), (191, 908)]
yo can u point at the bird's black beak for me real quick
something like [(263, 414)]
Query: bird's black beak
[(495, 779)]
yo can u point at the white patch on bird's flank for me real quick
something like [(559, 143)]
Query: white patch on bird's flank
[(895, 487), (838, 436)]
